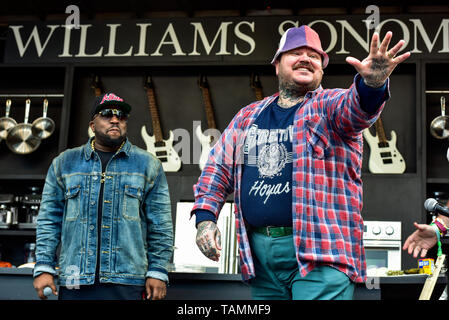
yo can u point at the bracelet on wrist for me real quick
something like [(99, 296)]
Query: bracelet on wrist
[(438, 234), (441, 226), (437, 230), (442, 222)]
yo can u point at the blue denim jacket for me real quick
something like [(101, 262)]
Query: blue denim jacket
[(136, 231)]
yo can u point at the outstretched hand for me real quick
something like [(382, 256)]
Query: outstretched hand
[(420, 241), (380, 63)]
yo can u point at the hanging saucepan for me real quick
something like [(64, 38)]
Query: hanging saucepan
[(20, 139), (43, 127), (6, 123), (439, 127)]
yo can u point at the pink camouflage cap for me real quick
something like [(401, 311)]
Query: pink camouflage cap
[(304, 36)]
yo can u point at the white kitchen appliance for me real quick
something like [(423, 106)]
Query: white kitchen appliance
[(382, 242)]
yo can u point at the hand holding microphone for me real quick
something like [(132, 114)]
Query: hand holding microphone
[(440, 222), (45, 285)]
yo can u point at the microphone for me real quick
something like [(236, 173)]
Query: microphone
[(432, 205), (47, 291)]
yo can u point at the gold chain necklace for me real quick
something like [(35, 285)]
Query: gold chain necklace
[(92, 144), (103, 174)]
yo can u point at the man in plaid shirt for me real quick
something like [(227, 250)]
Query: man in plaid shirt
[(293, 161)]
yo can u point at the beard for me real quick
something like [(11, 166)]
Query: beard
[(292, 89), (107, 141)]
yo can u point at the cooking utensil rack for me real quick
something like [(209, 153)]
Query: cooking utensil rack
[(32, 95), (437, 91)]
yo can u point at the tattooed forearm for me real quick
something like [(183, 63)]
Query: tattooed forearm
[(379, 73)]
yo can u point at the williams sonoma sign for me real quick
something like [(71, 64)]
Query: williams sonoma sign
[(245, 40)]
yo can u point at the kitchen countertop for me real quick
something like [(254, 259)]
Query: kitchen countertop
[(410, 278), (172, 275), (16, 283)]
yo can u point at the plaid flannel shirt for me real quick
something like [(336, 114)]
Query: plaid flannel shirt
[(326, 182)]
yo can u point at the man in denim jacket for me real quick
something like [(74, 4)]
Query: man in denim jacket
[(107, 205)]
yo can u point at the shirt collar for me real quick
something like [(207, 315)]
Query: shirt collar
[(314, 92)]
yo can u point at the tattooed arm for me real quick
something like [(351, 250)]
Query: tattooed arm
[(380, 63), (208, 239)]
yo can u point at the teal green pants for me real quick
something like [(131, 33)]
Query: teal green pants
[(278, 278)]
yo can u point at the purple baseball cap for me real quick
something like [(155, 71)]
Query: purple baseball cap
[(304, 36)]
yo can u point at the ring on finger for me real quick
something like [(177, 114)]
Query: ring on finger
[(390, 55)]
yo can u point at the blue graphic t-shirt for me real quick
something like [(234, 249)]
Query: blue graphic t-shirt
[(267, 171)]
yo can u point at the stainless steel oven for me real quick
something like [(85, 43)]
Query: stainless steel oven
[(382, 242)]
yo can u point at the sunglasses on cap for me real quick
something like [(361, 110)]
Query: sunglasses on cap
[(109, 113)]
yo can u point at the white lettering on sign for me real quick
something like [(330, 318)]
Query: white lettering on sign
[(229, 38), (34, 37)]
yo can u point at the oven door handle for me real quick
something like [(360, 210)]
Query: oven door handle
[(381, 244)]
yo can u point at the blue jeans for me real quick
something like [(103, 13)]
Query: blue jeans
[(278, 277)]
